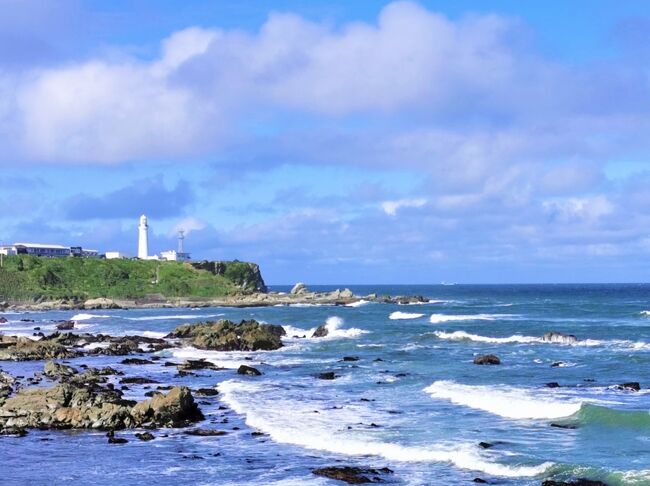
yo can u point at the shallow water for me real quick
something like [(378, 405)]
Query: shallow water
[(430, 404)]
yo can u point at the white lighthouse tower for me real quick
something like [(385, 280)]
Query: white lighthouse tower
[(143, 238)]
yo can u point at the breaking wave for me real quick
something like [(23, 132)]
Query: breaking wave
[(404, 315), (519, 339), (437, 318), (334, 331), (327, 431), (512, 403), (85, 317)]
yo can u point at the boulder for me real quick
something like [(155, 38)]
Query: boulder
[(352, 475), (3, 320), (65, 325), (58, 371), (145, 436), (559, 338), (248, 370), (25, 349), (487, 359), (101, 303), (136, 361), (225, 335), (321, 331), (328, 375), (197, 364), (175, 409), (629, 386), (299, 288), (346, 294)]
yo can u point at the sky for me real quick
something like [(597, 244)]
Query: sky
[(335, 142)]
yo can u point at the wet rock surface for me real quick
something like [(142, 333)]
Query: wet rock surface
[(487, 359), (353, 475), (225, 335)]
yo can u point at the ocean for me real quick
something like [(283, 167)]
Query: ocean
[(413, 401)]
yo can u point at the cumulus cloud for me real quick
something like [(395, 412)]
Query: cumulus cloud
[(470, 81), (392, 207)]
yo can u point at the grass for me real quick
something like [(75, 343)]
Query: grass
[(25, 278)]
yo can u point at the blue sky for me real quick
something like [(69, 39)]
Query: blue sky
[(335, 142)]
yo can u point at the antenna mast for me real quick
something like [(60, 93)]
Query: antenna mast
[(181, 237)]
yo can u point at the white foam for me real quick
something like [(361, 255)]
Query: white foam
[(520, 339), (437, 318), (465, 336), (358, 303), (334, 331), (508, 402), (327, 431), (645, 313), (85, 317), (404, 315)]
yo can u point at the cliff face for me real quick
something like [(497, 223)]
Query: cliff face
[(246, 276)]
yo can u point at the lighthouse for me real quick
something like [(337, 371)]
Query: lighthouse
[(143, 238)]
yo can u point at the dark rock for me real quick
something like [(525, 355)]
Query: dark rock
[(350, 358), (15, 431), (117, 440), (564, 426), (207, 392), (248, 370), (479, 480), (352, 475), (136, 361), (225, 335), (3, 320), (58, 371), (557, 364), (630, 386), (553, 384), (145, 436), (175, 409), (485, 445), (25, 349), (65, 325), (487, 359), (205, 432), (136, 380), (197, 364), (328, 375), (321, 331)]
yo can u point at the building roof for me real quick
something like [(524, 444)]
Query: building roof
[(42, 245)]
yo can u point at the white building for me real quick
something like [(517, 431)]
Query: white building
[(115, 255), (174, 256)]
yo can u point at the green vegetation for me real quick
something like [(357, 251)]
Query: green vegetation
[(29, 278)]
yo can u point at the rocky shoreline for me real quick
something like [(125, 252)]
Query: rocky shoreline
[(77, 396), (299, 295)]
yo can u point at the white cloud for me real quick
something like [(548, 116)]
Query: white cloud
[(391, 207), (188, 225), (588, 209)]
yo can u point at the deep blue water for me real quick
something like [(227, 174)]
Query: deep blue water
[(431, 405)]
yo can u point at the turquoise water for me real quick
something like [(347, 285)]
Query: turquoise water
[(430, 405)]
